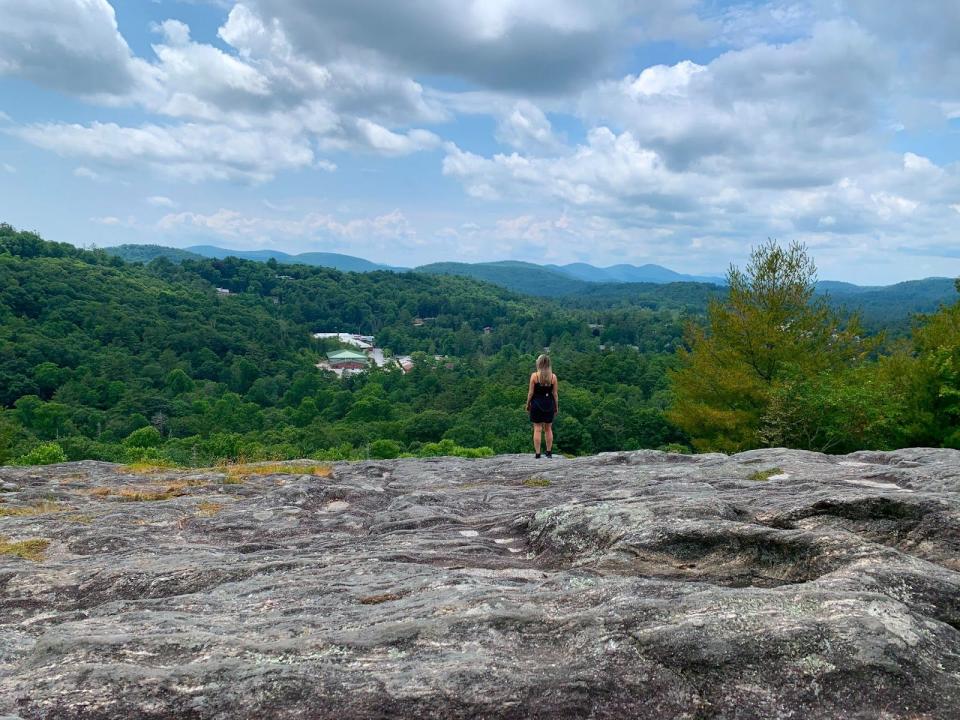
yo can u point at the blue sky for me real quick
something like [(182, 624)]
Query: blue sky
[(680, 132)]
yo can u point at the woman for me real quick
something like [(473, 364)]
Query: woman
[(543, 403)]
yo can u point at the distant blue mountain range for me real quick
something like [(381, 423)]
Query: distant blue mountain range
[(568, 280), (533, 276), (631, 273)]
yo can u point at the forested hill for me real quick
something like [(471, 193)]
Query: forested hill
[(211, 359), (892, 306), (889, 308), (337, 261), (146, 253), (522, 277), (123, 361)]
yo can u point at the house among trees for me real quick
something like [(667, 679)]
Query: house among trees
[(363, 342), (345, 362), (223, 291)]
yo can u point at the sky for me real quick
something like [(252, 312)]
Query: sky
[(677, 132)]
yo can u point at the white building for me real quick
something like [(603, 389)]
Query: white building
[(361, 342)]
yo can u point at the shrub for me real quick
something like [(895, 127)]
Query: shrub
[(144, 455), (953, 441), (78, 447), (449, 448), (145, 437), (675, 448), (385, 449), (43, 454)]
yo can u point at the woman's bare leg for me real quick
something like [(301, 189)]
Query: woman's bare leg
[(549, 427), (536, 437)]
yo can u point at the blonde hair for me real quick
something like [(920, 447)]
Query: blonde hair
[(544, 370)]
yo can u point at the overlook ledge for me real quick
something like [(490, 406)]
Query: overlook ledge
[(768, 584)]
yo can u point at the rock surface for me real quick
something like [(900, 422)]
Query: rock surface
[(641, 585)]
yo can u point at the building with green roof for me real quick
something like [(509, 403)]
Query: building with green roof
[(347, 360)]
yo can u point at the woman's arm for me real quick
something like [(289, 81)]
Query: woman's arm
[(530, 393), (556, 395)]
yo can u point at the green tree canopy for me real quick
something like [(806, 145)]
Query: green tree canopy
[(770, 328)]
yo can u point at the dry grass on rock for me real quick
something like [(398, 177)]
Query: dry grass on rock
[(26, 549), (208, 509), (235, 474), (40, 508)]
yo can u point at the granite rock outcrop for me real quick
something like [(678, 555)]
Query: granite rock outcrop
[(768, 584)]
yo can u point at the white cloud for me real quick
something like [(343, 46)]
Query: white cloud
[(787, 114), (107, 220), (390, 143), (191, 152), (607, 170), (525, 127), (926, 33), (786, 131), (663, 80), (519, 45), (7, 167), (198, 80), (87, 173), (254, 230), (69, 45), (161, 201), (248, 115)]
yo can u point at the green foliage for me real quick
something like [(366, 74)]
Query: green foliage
[(178, 382), (764, 475), (937, 346), (449, 448), (43, 454), (113, 359), (148, 253), (145, 437), (385, 449), (130, 362), (840, 411), (770, 330)]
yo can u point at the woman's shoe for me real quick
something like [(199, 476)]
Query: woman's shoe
[(549, 453), (537, 456)]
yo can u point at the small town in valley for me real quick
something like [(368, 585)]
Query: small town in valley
[(360, 357)]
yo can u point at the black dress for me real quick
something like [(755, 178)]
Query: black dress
[(542, 405)]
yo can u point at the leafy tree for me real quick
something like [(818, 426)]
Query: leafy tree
[(92, 350), (145, 437), (385, 449), (770, 328), (178, 382), (937, 345), (43, 454), (840, 411)]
